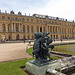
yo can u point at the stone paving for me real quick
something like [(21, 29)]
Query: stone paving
[(15, 51)]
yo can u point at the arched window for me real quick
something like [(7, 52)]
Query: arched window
[(0, 36), (9, 37), (27, 29), (17, 37), (32, 29), (24, 37), (9, 28), (32, 37), (23, 28), (27, 20), (51, 36), (3, 17), (43, 21), (41, 29), (4, 28), (53, 29), (31, 20), (17, 28), (37, 29), (16, 19), (37, 21), (56, 29), (56, 36), (28, 37)]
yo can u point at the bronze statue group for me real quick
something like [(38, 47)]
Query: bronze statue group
[(41, 46)]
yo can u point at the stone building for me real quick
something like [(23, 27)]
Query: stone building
[(17, 26)]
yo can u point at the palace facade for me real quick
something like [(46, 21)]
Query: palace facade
[(17, 26)]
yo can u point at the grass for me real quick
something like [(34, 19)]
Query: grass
[(69, 49), (14, 67), (30, 50)]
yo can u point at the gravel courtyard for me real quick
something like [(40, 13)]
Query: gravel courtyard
[(13, 51)]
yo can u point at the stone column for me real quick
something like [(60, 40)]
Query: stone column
[(46, 28), (55, 29), (22, 27), (6, 27), (49, 28), (39, 28), (34, 29), (52, 29), (59, 30), (30, 29), (19, 27), (42, 29), (26, 28), (1, 27), (12, 27)]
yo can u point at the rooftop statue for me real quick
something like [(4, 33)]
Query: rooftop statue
[(41, 47)]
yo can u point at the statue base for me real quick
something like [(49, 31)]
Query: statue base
[(40, 68)]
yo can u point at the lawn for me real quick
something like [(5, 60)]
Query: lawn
[(14, 67), (69, 49)]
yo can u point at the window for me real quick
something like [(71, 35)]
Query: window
[(43, 21), (24, 37), (40, 21), (31, 20), (17, 28), (37, 21), (8, 18), (3, 17), (23, 19), (32, 29), (27, 20), (41, 29), (16, 19), (27, 29), (37, 29), (17, 37), (4, 28), (23, 28), (9, 27), (49, 22)]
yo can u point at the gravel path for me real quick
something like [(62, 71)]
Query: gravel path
[(16, 51), (13, 51)]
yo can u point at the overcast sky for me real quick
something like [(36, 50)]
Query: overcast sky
[(56, 8)]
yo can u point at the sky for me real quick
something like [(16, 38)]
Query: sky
[(56, 8)]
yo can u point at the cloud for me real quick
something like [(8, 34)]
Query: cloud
[(56, 8)]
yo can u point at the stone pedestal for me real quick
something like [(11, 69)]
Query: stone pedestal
[(41, 68)]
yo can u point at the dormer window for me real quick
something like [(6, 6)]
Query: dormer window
[(19, 13), (12, 12)]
